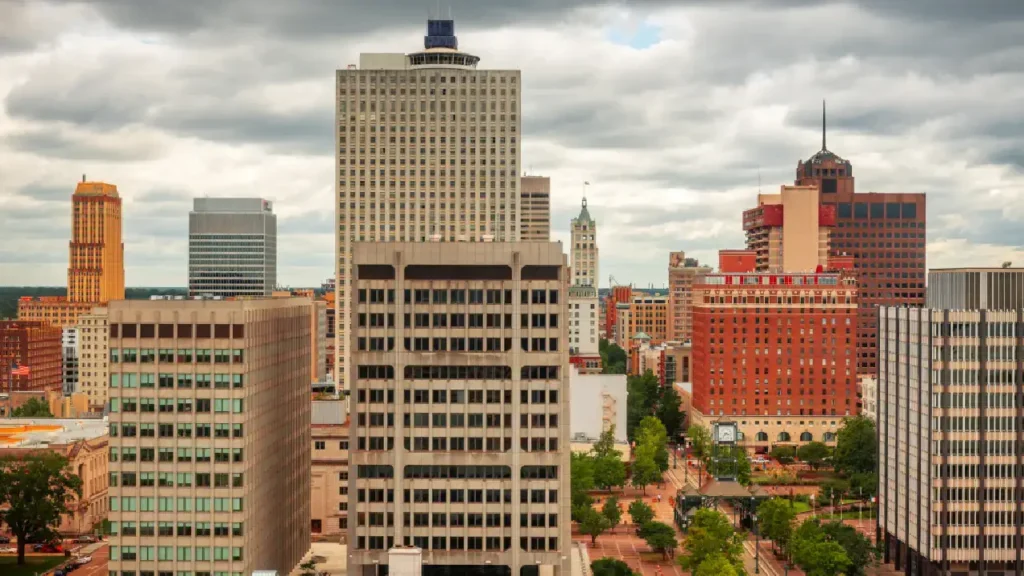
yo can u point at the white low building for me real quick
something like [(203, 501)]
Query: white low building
[(869, 398), (596, 402), (584, 313)]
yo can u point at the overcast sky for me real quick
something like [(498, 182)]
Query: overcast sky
[(673, 111)]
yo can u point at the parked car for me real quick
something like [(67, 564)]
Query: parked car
[(85, 539), (8, 550), (48, 548), (5, 539), (83, 560)]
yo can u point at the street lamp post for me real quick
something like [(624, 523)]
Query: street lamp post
[(757, 537)]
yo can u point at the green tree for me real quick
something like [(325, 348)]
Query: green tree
[(642, 394), (33, 408), (581, 481), (35, 492), (743, 471), (715, 565), (640, 512), (857, 547), (605, 445), (308, 568), (817, 555), (699, 438), (613, 358), (813, 453), (609, 471), (732, 460), (864, 485), (610, 567), (660, 537), (611, 511), (856, 446), (832, 490), (669, 412), (593, 524), (775, 521), (651, 432), (711, 533), (645, 469), (784, 454)]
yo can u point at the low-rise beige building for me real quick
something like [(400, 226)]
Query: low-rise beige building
[(329, 481), (209, 435), (84, 444)]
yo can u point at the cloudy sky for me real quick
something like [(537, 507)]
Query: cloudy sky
[(673, 111)]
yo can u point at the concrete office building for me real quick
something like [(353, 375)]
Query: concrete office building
[(682, 272), (95, 258), (329, 483), (583, 318), (535, 198), (951, 453), (884, 233), (583, 246), (428, 148), (460, 406), (232, 247), (69, 360), (976, 288), (789, 231), (93, 367), (209, 435)]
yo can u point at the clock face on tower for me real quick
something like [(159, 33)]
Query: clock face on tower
[(726, 433)]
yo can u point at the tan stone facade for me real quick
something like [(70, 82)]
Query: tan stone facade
[(93, 357), (428, 149), (460, 419), (682, 271), (535, 198), (329, 483), (210, 435)]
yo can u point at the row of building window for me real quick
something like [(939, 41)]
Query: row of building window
[(174, 504), (179, 553), (177, 355), (133, 404), (493, 543), (974, 470), (221, 331), (422, 396), (456, 296), (457, 444), (181, 479), (184, 529), (442, 320), (150, 430), (184, 454), (456, 420), (458, 496), (457, 520), (425, 344), (387, 372)]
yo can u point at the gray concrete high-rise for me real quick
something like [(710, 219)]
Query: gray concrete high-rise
[(460, 407), (232, 247), (428, 148)]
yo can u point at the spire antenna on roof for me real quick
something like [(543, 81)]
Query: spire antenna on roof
[(823, 147)]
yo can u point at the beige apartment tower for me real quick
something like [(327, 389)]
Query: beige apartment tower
[(93, 357), (460, 414), (536, 208), (584, 249), (209, 436), (682, 272), (428, 149), (790, 231)]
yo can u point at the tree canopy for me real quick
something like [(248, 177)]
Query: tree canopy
[(711, 534), (613, 357), (610, 567), (816, 555), (33, 408), (775, 519), (642, 395), (856, 449), (35, 491), (593, 523), (611, 511), (813, 453), (640, 512), (660, 537), (784, 454)]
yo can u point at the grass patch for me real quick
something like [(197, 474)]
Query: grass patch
[(801, 507), (33, 565)]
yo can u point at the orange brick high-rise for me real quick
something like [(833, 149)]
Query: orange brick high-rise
[(96, 258), (883, 232), (776, 354)]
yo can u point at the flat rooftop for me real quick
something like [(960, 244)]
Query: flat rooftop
[(42, 432)]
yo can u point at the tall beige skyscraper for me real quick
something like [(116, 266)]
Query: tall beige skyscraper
[(584, 249), (460, 407), (209, 436), (428, 148), (536, 208)]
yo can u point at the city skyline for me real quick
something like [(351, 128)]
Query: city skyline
[(720, 123)]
